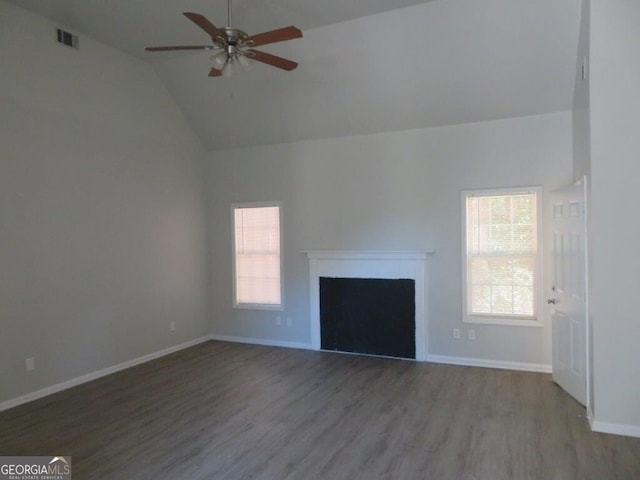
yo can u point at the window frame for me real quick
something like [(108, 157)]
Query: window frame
[(505, 319), (255, 306)]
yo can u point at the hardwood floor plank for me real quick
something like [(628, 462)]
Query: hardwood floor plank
[(229, 411)]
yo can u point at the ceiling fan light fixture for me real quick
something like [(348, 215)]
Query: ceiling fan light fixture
[(219, 59), (245, 62), (230, 67)]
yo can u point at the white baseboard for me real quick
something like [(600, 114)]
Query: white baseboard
[(479, 362), (260, 341), (590, 416), (616, 428), (29, 397), (469, 362)]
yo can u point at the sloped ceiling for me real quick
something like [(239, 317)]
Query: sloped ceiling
[(366, 66)]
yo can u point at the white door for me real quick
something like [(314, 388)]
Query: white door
[(568, 296)]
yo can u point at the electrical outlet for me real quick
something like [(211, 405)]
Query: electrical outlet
[(31, 364), (289, 321), (278, 320), (172, 326), (471, 334), (456, 333)]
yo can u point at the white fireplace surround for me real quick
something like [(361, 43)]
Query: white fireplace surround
[(371, 264)]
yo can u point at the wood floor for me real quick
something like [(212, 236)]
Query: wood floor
[(230, 411)]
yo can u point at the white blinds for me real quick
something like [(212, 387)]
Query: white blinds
[(501, 254), (257, 255)]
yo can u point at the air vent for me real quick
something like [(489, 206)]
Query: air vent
[(67, 38)]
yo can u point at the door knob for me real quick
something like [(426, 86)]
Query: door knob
[(551, 301)]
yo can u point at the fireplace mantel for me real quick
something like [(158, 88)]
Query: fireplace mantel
[(369, 254), (371, 264)]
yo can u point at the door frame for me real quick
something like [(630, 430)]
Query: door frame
[(586, 188)]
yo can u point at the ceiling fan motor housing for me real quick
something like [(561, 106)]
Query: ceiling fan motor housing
[(232, 36)]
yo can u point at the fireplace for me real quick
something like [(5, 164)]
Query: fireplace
[(374, 316), (392, 284)]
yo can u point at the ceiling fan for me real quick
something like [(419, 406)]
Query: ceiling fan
[(235, 46)]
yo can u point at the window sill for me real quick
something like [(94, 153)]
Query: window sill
[(504, 321), (258, 306)]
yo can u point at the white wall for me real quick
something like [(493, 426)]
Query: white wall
[(101, 209), (581, 126), (615, 166), (391, 191)]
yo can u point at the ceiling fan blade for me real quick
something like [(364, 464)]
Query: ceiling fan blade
[(272, 60), (179, 47), (204, 24), (215, 72), (273, 36)]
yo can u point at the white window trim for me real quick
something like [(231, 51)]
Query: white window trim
[(254, 306), (496, 319)]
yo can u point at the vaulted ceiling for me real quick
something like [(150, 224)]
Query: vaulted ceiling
[(366, 66)]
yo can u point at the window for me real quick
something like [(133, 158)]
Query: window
[(502, 258), (257, 279)]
